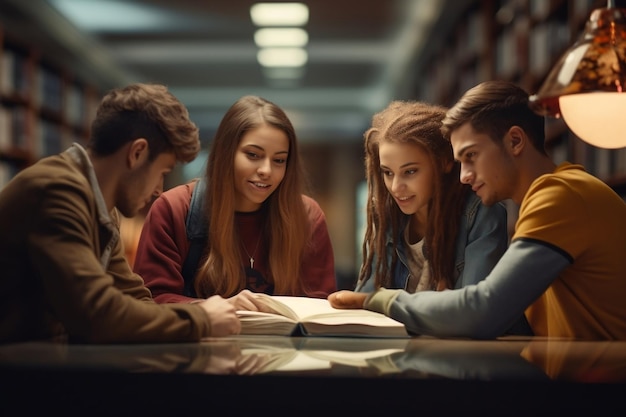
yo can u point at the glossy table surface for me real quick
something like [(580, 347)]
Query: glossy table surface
[(251, 374)]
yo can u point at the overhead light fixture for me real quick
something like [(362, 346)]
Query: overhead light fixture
[(587, 85), (282, 77), (279, 14), (283, 73), (282, 57), (271, 37)]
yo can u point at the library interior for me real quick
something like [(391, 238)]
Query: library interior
[(59, 57), (58, 60)]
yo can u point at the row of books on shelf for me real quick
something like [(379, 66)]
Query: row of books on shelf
[(510, 39), (43, 87), (41, 138), (42, 110)]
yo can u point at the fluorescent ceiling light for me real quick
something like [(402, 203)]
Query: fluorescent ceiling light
[(283, 73), (282, 57), (279, 14), (268, 37)]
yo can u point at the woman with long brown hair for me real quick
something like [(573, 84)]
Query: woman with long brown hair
[(246, 225), (425, 229)]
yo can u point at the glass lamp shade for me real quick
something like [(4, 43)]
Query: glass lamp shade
[(586, 86), (597, 118)]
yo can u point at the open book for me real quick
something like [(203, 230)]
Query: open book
[(304, 316)]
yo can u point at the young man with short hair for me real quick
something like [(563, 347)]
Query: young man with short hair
[(64, 274), (566, 264)]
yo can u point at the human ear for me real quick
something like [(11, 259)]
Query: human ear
[(516, 139), (137, 152)]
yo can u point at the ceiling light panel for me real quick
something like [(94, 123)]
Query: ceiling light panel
[(282, 57), (279, 14), (269, 37)]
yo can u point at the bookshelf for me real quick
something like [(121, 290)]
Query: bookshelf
[(43, 107), (520, 41)]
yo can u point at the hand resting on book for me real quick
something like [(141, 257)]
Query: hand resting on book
[(347, 299), (248, 301)]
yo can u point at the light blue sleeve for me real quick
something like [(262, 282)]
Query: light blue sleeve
[(484, 310)]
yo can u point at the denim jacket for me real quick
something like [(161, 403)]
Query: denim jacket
[(481, 241)]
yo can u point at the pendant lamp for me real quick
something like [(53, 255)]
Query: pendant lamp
[(587, 86)]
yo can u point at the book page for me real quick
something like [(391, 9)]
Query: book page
[(306, 307), (259, 323), (282, 323), (279, 307), (354, 326)]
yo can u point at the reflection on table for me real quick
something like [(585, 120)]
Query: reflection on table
[(422, 357), (446, 375)]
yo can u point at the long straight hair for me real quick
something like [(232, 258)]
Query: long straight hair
[(418, 124), (285, 227)]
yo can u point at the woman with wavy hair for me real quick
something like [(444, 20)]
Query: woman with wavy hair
[(246, 225), (425, 229)]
